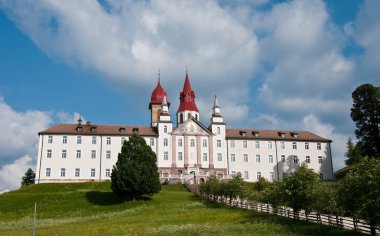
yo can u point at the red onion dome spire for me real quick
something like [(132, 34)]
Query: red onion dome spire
[(187, 97)]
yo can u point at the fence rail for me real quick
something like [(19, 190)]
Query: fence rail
[(332, 220)]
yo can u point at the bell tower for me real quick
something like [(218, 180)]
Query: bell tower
[(187, 107), (155, 104)]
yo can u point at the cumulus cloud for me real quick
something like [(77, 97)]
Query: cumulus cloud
[(19, 140), (128, 41), (11, 174), (19, 131)]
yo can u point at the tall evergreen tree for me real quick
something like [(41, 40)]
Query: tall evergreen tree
[(365, 112), (28, 178), (353, 153), (135, 172)]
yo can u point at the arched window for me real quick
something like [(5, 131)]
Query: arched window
[(188, 115), (165, 129), (196, 116), (181, 118), (218, 130)]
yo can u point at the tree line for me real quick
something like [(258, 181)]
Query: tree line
[(357, 195)]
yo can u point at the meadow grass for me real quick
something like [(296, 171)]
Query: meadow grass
[(92, 209)]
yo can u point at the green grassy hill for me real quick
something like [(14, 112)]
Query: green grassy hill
[(92, 209)]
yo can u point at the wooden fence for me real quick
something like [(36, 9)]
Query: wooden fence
[(332, 220)]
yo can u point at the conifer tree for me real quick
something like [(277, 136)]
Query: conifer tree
[(28, 178), (135, 172)]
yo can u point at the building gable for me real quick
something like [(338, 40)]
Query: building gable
[(191, 127)]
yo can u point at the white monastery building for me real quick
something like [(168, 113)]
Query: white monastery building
[(186, 151)]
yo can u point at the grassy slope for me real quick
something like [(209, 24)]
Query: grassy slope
[(92, 209)]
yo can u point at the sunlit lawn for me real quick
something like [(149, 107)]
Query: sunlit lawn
[(92, 209)]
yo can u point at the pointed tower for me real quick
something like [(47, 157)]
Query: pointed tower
[(155, 104), (187, 107), (217, 121)]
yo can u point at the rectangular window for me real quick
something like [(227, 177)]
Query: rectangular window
[(49, 153), (64, 139), (270, 158), (257, 144), (319, 146), (320, 159), (218, 143), (219, 156), (245, 144), (204, 142), (165, 142), (108, 173), (93, 154), (79, 153), (246, 175), (93, 172), (233, 173), (151, 141), (50, 139), (48, 172), (108, 154), (122, 139), (180, 156), (232, 157), (166, 156), (258, 175), (269, 144), (271, 175), (282, 158), (232, 144), (108, 140), (282, 145), (321, 176), (307, 159), (257, 158), (63, 172), (192, 142), (77, 172), (245, 157), (306, 145), (204, 156), (93, 141), (295, 159), (79, 139), (294, 145), (64, 153), (180, 142)]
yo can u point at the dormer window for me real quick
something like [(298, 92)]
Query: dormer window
[(122, 130), (135, 130), (243, 133), (255, 133), (93, 129), (79, 129), (281, 134), (294, 135)]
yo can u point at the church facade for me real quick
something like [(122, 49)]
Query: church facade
[(186, 151)]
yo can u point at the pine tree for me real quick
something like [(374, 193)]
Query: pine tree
[(353, 153), (28, 178), (135, 172), (365, 112)]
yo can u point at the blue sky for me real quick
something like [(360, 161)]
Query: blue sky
[(274, 65)]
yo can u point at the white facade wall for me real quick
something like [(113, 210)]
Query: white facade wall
[(259, 158), (91, 168)]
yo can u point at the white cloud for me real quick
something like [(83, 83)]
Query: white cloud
[(19, 140), (366, 31), (19, 131), (11, 174)]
